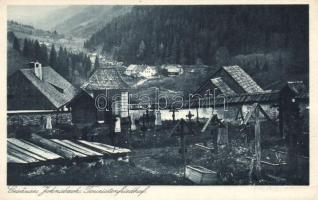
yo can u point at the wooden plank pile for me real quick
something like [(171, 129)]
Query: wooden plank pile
[(39, 150)]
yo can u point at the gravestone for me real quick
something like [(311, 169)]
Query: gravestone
[(223, 135), (48, 124), (158, 121), (133, 123), (117, 125)]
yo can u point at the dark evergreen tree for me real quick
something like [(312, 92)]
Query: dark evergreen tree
[(96, 64), (37, 51), (141, 49), (11, 36), (174, 51), (31, 49), (53, 57), (43, 54), (87, 66), (16, 44), (222, 57), (26, 48)]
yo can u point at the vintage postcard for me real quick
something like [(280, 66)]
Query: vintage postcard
[(151, 100)]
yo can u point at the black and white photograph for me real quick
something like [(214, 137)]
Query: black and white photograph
[(158, 95)]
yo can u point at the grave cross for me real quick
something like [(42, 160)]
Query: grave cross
[(181, 129), (189, 115), (143, 119), (197, 115), (173, 110)]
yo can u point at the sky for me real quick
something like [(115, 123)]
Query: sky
[(30, 14)]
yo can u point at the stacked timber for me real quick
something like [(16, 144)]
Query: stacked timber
[(39, 150)]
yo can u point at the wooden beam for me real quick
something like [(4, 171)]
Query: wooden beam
[(257, 143), (33, 149), (56, 148), (25, 152), (78, 149)]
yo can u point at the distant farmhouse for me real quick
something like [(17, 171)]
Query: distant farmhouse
[(38, 88), (141, 71), (172, 70)]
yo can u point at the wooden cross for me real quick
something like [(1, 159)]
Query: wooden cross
[(143, 122), (189, 115), (147, 119), (173, 110), (197, 115), (181, 129)]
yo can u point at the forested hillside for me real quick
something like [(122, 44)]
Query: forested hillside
[(75, 67), (268, 36)]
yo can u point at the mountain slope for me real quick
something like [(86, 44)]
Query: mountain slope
[(75, 20), (212, 35), (90, 19)]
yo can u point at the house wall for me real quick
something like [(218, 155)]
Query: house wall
[(148, 72), (23, 95), (83, 110)]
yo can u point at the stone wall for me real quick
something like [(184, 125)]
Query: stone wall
[(36, 119)]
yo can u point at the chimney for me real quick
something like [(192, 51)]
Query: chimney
[(37, 69)]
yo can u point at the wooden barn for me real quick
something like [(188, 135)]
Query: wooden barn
[(229, 80), (103, 96), (38, 88)]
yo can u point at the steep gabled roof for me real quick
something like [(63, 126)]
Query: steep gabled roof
[(238, 75), (105, 78), (222, 86), (243, 79), (53, 86)]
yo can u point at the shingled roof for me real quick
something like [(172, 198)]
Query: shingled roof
[(53, 86), (222, 86), (243, 79), (105, 78)]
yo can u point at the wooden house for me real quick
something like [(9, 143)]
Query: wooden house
[(38, 88), (141, 71), (103, 96), (172, 70)]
